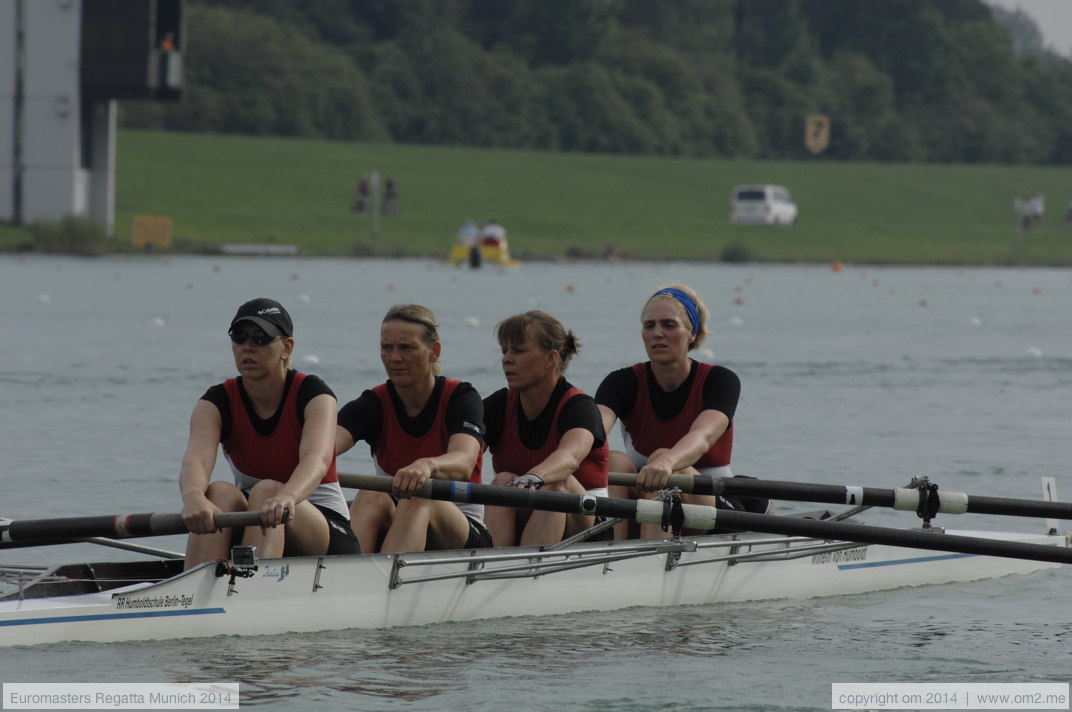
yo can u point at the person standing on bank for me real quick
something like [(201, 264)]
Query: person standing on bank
[(420, 425), (542, 431), (277, 427), (676, 413)]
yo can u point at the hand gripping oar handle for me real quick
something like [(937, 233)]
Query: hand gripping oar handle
[(517, 497), (119, 526), (906, 499), (648, 511)]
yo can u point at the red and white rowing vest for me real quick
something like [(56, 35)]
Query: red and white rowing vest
[(254, 457), (396, 448), (511, 455), (649, 432)]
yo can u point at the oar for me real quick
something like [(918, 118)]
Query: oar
[(647, 511), (104, 541), (44, 532), (934, 500)]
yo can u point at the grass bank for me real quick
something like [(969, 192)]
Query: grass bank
[(294, 191)]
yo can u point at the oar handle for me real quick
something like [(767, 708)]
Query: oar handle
[(516, 497), (380, 483), (376, 483), (120, 526), (686, 483)]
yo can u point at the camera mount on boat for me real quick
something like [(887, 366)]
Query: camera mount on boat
[(243, 564), (244, 559)]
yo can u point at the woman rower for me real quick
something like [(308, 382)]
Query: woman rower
[(676, 413), (420, 425), (542, 431), (276, 426)]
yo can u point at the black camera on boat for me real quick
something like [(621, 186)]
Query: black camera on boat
[(244, 558)]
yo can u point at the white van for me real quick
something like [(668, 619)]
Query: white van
[(762, 205)]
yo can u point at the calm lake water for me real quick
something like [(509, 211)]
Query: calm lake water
[(867, 376)]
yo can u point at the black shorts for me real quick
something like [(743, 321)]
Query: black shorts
[(341, 538), (605, 535), (479, 537), (756, 505)]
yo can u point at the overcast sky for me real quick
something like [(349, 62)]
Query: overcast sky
[(1053, 17)]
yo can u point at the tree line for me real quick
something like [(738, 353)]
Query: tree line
[(900, 80)]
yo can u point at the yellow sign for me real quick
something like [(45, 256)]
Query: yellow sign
[(817, 133), (155, 230)]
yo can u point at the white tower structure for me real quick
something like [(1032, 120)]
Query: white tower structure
[(63, 64)]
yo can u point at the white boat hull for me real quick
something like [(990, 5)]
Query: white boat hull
[(305, 594)]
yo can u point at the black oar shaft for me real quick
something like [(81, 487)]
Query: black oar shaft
[(1019, 507), (911, 538), (700, 517), (902, 499), (120, 526)]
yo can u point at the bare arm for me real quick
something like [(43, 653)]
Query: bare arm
[(704, 433), (197, 465), (455, 464), (609, 419), (564, 461), (343, 440), (314, 458)]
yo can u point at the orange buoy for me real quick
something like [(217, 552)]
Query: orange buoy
[(836, 267)]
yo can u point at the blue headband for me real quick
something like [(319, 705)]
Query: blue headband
[(687, 302)]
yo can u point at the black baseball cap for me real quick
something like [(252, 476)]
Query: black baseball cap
[(267, 314)]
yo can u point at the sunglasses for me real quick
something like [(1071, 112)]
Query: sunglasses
[(259, 337)]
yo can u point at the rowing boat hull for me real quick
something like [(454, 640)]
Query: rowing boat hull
[(306, 594)]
